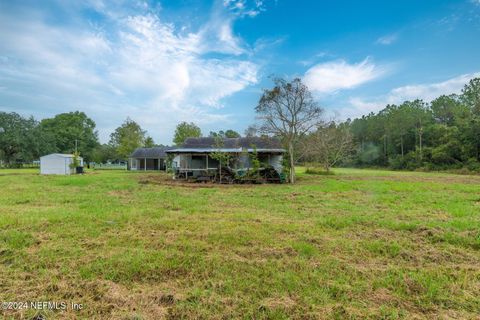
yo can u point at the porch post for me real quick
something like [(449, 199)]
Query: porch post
[(207, 160), (145, 167)]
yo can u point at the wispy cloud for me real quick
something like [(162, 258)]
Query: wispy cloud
[(387, 39), (425, 91), (245, 7), (312, 60), (140, 67), (332, 76)]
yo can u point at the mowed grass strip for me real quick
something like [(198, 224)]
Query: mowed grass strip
[(135, 245)]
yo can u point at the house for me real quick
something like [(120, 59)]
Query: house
[(195, 159), (148, 159), (57, 163)]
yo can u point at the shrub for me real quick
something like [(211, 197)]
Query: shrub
[(473, 165), (318, 171)]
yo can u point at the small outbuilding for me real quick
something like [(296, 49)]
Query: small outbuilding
[(57, 163), (148, 159)]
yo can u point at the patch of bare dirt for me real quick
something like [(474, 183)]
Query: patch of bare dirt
[(164, 180), (278, 303)]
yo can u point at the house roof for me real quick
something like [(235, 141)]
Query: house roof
[(155, 152), (208, 144)]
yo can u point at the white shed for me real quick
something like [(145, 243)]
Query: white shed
[(57, 163)]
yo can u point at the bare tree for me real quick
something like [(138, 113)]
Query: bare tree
[(328, 145), (288, 111)]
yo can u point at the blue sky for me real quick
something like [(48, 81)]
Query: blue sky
[(162, 62)]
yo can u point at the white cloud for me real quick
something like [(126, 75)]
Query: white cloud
[(143, 68), (245, 7), (330, 77), (426, 92), (387, 39)]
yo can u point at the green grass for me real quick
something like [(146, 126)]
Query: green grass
[(133, 245)]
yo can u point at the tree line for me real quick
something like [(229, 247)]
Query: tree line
[(441, 134), (25, 139)]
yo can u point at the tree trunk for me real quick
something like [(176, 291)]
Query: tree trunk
[(401, 144), (385, 147), (220, 171), (420, 141), (291, 161)]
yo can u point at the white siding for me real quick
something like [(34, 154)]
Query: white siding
[(57, 164)]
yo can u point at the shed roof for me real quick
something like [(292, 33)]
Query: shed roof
[(62, 155), (155, 152)]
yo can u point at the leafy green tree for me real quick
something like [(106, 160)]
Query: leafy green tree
[(67, 129), (225, 134), (232, 134), (149, 143), (471, 98), (256, 164), (128, 137), (186, 130), (19, 138), (103, 153), (447, 109), (222, 157)]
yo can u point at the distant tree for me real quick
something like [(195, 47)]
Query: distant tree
[(251, 131), (214, 134), (19, 138), (186, 130), (447, 109), (288, 111), (103, 153), (471, 98), (128, 137), (232, 134), (328, 145), (421, 117), (66, 128), (225, 134), (149, 143)]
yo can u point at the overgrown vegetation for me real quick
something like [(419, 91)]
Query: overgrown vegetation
[(315, 169), (75, 160), (221, 156), (361, 244)]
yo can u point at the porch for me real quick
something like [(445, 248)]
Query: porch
[(144, 164)]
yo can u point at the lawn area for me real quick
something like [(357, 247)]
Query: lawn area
[(134, 245)]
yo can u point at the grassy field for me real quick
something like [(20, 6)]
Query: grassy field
[(359, 244)]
